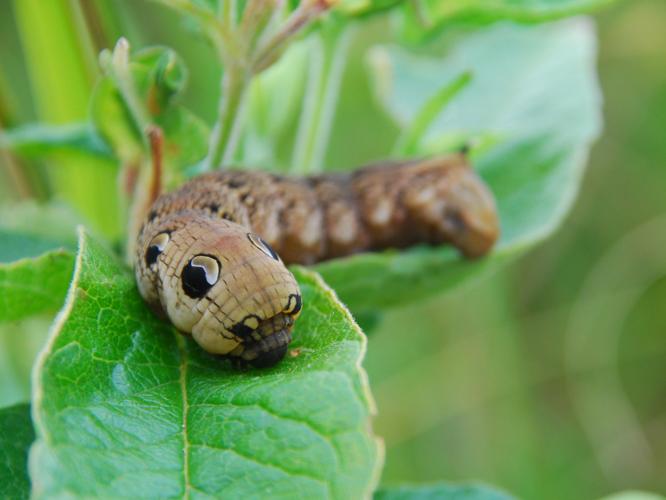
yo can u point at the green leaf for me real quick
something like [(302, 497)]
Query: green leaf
[(34, 285), (441, 491), (39, 139), (159, 76), (409, 140), (634, 495), (126, 406), (20, 342), (535, 92), (36, 228), (36, 260), (60, 62), (16, 436), (424, 18), (274, 103)]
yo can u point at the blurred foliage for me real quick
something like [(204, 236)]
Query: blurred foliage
[(490, 383), (490, 391)]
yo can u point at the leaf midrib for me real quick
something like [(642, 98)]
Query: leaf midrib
[(182, 379)]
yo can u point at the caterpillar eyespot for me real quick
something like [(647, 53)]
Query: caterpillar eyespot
[(240, 303), (199, 275), (263, 246), (156, 247)]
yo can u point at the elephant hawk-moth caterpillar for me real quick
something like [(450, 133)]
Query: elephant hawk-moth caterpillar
[(208, 254)]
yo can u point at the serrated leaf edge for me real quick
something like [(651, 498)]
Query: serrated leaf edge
[(56, 327), (63, 315), (362, 374)]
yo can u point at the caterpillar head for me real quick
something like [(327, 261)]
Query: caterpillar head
[(221, 283)]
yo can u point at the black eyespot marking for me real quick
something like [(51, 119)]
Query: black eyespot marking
[(294, 304), (152, 215), (246, 326), (156, 247), (199, 275), (235, 183), (213, 207), (263, 246), (151, 255)]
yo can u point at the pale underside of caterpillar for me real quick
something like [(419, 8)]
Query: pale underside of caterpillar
[(208, 254)]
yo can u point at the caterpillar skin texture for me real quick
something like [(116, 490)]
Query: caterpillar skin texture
[(207, 255)]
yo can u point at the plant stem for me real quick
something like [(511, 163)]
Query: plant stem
[(306, 12), (242, 61), (225, 134), (320, 101)]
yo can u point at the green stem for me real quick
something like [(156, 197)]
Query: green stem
[(302, 17), (225, 134), (242, 61), (320, 101)]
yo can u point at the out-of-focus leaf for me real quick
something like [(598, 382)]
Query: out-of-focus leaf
[(34, 285), (409, 140), (274, 104), (366, 8), (634, 495), (15, 246), (441, 491), (113, 122), (35, 268), (159, 77), (16, 436), (422, 18), (38, 140), (126, 406), (535, 91), (61, 67), (41, 227), (20, 341)]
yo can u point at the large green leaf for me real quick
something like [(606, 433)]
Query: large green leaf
[(441, 491), (534, 93), (16, 436), (124, 405)]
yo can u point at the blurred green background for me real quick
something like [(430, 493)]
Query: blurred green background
[(548, 378)]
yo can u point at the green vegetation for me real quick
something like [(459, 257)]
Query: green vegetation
[(531, 376)]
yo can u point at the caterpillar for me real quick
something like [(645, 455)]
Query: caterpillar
[(212, 255)]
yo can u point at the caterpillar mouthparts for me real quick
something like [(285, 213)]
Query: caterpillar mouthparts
[(207, 254), (267, 344)]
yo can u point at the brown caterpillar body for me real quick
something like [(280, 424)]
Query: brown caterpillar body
[(200, 259)]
